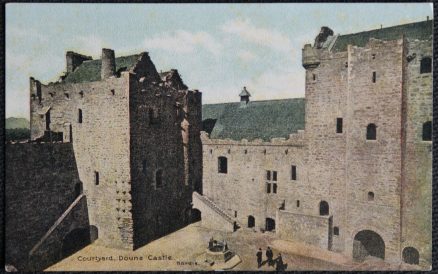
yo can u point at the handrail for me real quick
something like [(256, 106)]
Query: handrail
[(213, 206), (55, 225)]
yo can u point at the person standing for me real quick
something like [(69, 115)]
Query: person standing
[(269, 255), (279, 263), (259, 258)]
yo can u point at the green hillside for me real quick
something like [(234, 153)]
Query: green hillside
[(13, 122)]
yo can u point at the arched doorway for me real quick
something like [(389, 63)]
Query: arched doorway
[(75, 241), (411, 255), (251, 221), (270, 224), (323, 208), (196, 215), (368, 242)]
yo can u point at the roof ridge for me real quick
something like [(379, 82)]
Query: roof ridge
[(394, 26), (257, 101)]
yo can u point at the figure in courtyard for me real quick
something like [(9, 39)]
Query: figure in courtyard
[(269, 255), (210, 243), (279, 265), (259, 258)]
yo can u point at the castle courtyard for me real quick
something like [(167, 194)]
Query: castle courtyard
[(183, 250)]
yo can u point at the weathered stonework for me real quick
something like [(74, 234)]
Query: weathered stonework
[(126, 128), (378, 190), (42, 183)]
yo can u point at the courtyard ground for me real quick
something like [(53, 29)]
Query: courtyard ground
[(183, 250)]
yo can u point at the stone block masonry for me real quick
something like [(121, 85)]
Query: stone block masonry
[(42, 181)]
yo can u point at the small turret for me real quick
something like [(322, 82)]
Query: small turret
[(244, 97), (310, 57), (108, 68)]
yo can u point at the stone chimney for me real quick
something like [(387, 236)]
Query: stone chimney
[(108, 68), (244, 97), (74, 60)]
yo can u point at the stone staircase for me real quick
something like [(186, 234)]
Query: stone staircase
[(207, 206)]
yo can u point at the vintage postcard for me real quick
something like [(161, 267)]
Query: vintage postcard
[(218, 136)]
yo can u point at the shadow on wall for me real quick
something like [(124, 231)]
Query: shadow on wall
[(78, 239)]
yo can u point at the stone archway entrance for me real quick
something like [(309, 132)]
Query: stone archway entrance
[(411, 255), (368, 243)]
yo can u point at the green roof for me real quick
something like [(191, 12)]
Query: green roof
[(419, 30), (89, 71), (258, 119)]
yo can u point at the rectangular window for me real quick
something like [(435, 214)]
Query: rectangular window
[(96, 178), (222, 165), (293, 173), (268, 188), (274, 175), (298, 203), (274, 188), (374, 76), (80, 116), (338, 125), (268, 175)]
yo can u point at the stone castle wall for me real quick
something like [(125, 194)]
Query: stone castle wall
[(417, 160), (242, 191), (118, 149), (41, 182), (326, 101), (374, 165), (382, 185), (101, 144), (160, 112)]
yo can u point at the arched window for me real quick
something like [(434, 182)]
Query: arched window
[(251, 221), (426, 65), (323, 208), (159, 178), (222, 164), (427, 131), (371, 132), (370, 196)]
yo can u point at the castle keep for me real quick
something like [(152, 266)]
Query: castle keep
[(347, 168), (135, 137)]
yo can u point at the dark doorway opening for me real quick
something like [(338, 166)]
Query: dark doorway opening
[(323, 208), (251, 221), (367, 242), (411, 255), (195, 215), (270, 224)]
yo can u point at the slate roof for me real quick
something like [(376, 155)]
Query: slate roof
[(259, 119), (89, 71), (418, 30)]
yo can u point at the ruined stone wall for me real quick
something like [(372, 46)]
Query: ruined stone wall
[(326, 86), (242, 191), (313, 230), (417, 161), (374, 165), (101, 144), (41, 182)]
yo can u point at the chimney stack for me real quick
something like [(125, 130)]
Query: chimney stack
[(108, 68), (74, 60)]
